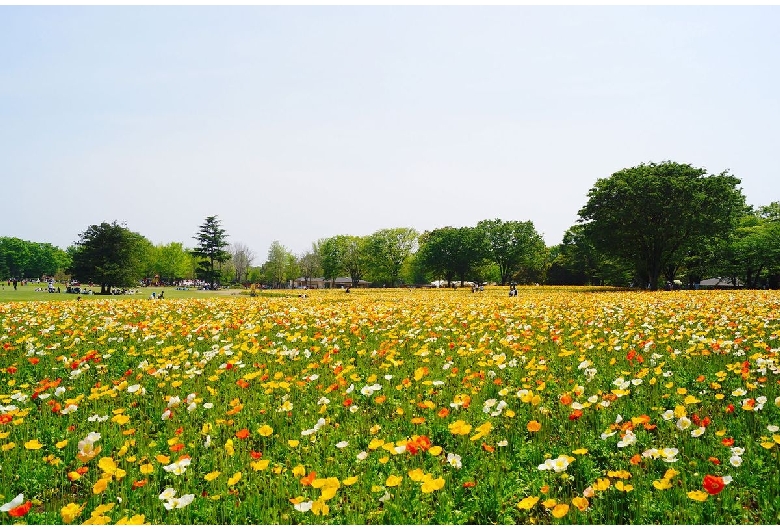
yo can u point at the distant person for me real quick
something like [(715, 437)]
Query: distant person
[(162, 295), (14, 284)]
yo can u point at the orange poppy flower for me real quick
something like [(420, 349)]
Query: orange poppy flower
[(308, 479), (243, 434), (533, 426)]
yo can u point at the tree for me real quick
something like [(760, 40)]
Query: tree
[(210, 251), (277, 266), (172, 262), (576, 262), (310, 263), (753, 253), (356, 258), (344, 254), (513, 245), (331, 257), (109, 255), (27, 259), (242, 257), (651, 214), (452, 252), (16, 254), (387, 251)]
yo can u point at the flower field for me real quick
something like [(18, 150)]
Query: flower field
[(391, 407)]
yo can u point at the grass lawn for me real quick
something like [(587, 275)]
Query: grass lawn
[(29, 293)]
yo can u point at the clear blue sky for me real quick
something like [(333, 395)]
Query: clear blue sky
[(297, 123)]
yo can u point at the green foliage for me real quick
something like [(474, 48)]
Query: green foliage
[(652, 214), (210, 251), (27, 259), (110, 255), (344, 254), (387, 250), (452, 252), (754, 250), (515, 246), (577, 262), (310, 263), (281, 265)]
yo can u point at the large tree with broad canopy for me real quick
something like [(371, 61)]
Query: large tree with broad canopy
[(651, 214)]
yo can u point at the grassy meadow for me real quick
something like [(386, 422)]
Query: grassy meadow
[(391, 407)]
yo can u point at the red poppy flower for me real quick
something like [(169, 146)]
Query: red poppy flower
[(177, 447), (34, 360), (469, 484), (256, 455), (728, 442), (714, 460), (21, 510), (713, 484), (575, 415), (139, 484), (730, 408)]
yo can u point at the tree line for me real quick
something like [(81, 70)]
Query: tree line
[(651, 225)]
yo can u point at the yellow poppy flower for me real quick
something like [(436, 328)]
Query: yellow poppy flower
[(432, 485), (100, 486), (460, 427), (527, 503), (33, 445), (260, 465), (70, 512), (393, 481), (135, 520), (698, 495), (581, 503)]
